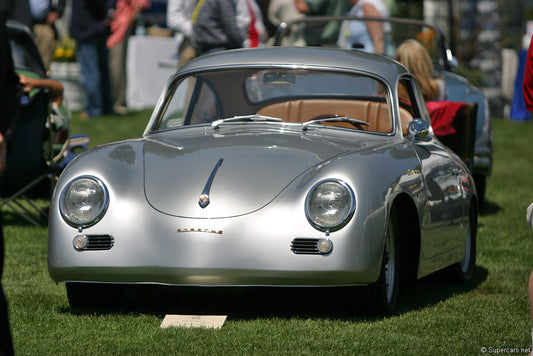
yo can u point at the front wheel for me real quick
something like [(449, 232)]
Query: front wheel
[(463, 271), (384, 292), (481, 186)]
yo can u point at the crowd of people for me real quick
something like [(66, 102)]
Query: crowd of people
[(101, 29)]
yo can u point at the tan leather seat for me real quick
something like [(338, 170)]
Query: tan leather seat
[(405, 119), (375, 113)]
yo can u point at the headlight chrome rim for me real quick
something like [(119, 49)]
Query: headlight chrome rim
[(99, 212), (343, 219)]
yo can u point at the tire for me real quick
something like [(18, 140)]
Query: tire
[(481, 186), (89, 295), (463, 271), (385, 291)]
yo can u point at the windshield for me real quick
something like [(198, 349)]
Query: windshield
[(350, 33), (286, 94)]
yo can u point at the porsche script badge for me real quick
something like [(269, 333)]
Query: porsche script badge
[(207, 231)]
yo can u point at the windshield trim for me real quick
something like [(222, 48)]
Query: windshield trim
[(179, 78)]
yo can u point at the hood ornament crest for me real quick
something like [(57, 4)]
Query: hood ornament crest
[(204, 201)]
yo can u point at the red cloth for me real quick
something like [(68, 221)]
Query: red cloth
[(122, 19), (253, 35), (527, 84), (442, 114)]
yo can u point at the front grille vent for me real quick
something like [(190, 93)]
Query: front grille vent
[(305, 246), (99, 242)]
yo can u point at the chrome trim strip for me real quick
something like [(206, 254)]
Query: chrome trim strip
[(204, 201)]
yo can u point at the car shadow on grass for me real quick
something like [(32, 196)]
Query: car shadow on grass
[(251, 303), (436, 288), (489, 208)]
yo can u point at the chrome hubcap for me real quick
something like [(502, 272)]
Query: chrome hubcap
[(465, 263)]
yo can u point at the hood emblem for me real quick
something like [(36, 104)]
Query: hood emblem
[(204, 200)]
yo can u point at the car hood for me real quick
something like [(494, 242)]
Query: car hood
[(247, 171)]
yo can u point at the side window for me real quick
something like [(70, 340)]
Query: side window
[(409, 102), (405, 96), (414, 99), (177, 106), (205, 108), (192, 102)]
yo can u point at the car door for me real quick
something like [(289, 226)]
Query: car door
[(441, 221)]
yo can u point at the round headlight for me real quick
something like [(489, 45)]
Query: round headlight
[(330, 205), (84, 201)]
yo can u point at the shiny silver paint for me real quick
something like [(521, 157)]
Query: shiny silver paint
[(257, 197)]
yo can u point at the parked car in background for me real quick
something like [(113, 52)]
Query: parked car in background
[(286, 167), (316, 31)]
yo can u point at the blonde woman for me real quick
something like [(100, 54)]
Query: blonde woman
[(415, 57)]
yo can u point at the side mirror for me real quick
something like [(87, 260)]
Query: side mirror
[(419, 129), (451, 59)]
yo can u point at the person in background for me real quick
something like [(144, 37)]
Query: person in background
[(89, 26), (329, 33), (44, 14), (527, 83), (368, 36), (529, 218), (122, 26), (179, 15), (10, 93), (219, 25), (527, 89), (256, 34), (280, 11), (416, 58), (55, 88), (270, 28)]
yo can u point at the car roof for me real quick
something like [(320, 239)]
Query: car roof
[(313, 57)]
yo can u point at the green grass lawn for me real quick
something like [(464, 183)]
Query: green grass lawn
[(435, 317)]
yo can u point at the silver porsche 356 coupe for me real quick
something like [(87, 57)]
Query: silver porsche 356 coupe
[(304, 167)]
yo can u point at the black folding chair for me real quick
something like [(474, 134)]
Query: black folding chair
[(34, 161), (32, 166)]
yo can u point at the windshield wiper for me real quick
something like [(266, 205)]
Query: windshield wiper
[(255, 117), (354, 122)]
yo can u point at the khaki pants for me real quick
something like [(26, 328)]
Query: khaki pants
[(117, 66), (186, 51), (45, 40)]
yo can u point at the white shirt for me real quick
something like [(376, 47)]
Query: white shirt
[(355, 34), (39, 9), (179, 13)]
